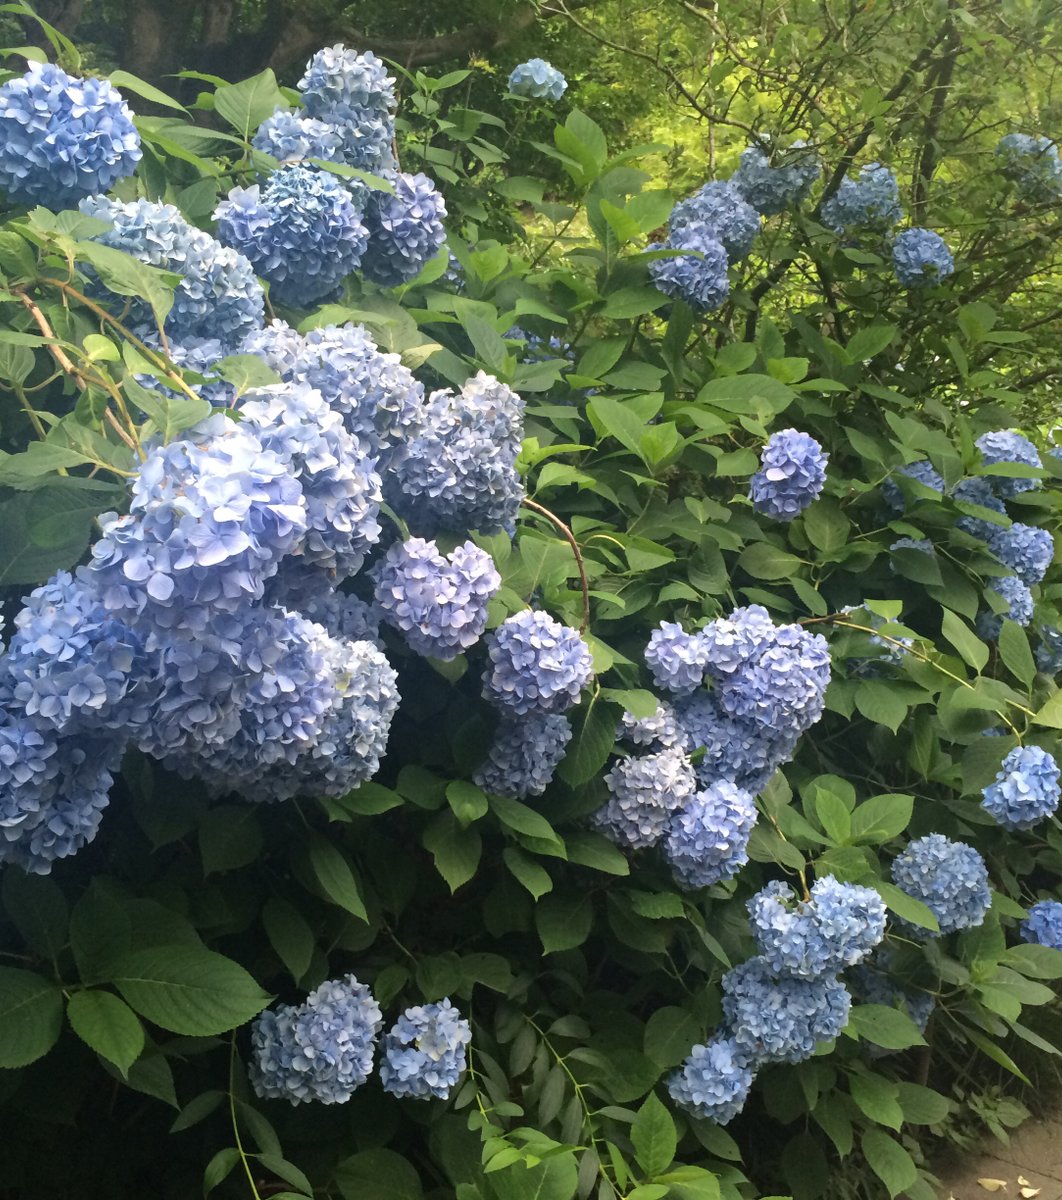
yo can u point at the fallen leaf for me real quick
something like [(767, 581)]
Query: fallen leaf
[(993, 1185), (1023, 1182), (1027, 1192)]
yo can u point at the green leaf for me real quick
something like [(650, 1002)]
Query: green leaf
[(108, 1026), (764, 561), (189, 990), (246, 105), (467, 801), (669, 1034), (1037, 962), (229, 837), (170, 415), (335, 875), (876, 1097), (44, 531), (879, 702), (905, 906), (534, 877), (969, 646), (381, 1174), (128, 276), (826, 526), (617, 420), (563, 920), (37, 907), (593, 736), (590, 849), (1050, 715), (488, 343), (921, 1105), (884, 1026), (196, 1110), (456, 851), (865, 343), (889, 1161), (522, 819), (653, 1136), (220, 1168), (132, 83), (289, 935), (632, 301), (31, 1015), (100, 932), (1015, 652), (881, 818), (555, 1178)]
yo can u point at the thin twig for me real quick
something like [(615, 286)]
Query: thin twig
[(570, 537)]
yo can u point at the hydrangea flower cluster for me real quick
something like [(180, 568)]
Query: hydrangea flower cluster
[(425, 1053), (289, 138), (1019, 602), (1026, 790), (405, 229), (677, 660), (1026, 549), (1009, 446), (921, 471), (699, 274), (792, 474), (537, 80), (1043, 925), (644, 792), (658, 731), (720, 206), (536, 665), (736, 749), (870, 202), (978, 491), (772, 188), (524, 755), (353, 95), (439, 605), (62, 138), (714, 1081), (950, 878), (921, 258), (707, 840), (320, 1050), (1049, 651), (1033, 163)]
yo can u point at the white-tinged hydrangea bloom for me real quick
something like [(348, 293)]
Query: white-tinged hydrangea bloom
[(782, 1018), (1026, 790), (538, 80), (289, 137), (211, 516), (921, 258), (302, 231), (950, 878), (1020, 607), (791, 475), (459, 473), (320, 1050), (978, 490), (714, 1081), (438, 604), (524, 755), (699, 274), (658, 731), (838, 927), (536, 665), (870, 202), (1033, 162), (1026, 549), (921, 471), (676, 659), (1043, 926), (379, 400), (771, 189), (707, 840), (745, 753), (425, 1053), (62, 138), (1009, 446), (405, 230), (1049, 651), (644, 792), (720, 206), (218, 296)]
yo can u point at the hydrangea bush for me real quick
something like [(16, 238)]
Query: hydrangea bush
[(490, 697)]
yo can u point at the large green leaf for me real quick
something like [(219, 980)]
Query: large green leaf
[(107, 1025), (246, 105), (31, 1015)]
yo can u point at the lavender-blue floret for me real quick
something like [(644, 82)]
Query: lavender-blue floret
[(707, 839), (950, 878), (425, 1053), (1026, 789), (792, 474)]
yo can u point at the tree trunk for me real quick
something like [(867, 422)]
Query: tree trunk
[(156, 36)]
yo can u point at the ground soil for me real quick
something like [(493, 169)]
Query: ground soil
[(1034, 1155)]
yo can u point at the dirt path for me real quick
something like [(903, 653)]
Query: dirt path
[(1034, 1157)]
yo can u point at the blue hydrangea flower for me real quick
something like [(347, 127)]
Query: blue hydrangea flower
[(538, 80), (950, 878), (524, 755), (676, 659), (978, 490), (536, 665), (921, 257), (1009, 446), (922, 545), (1020, 607), (1034, 164), (337, 79), (289, 137), (707, 840), (782, 1018), (62, 139), (838, 927), (870, 202), (320, 1050), (714, 1081), (657, 731), (743, 752), (922, 471), (381, 404), (791, 475), (1027, 550), (644, 791), (1049, 651), (302, 231), (425, 1053), (720, 207), (699, 274), (771, 189), (735, 641), (405, 230), (459, 473), (1043, 925), (439, 605), (218, 296), (342, 615), (1026, 790)]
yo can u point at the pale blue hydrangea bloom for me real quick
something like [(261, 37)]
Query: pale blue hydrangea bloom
[(1020, 607), (922, 545), (720, 206), (1026, 790), (707, 840), (922, 471), (781, 1018), (714, 1081), (771, 189), (405, 230), (538, 80), (62, 138), (950, 878), (1009, 446), (676, 659), (921, 258), (1043, 925), (657, 731), (438, 604), (425, 1053), (1049, 651), (524, 755), (978, 490), (739, 751), (699, 274), (353, 94), (320, 1050), (302, 231), (872, 201), (536, 665), (791, 475), (644, 792), (1033, 162), (838, 927), (291, 137), (343, 615), (1026, 549)]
